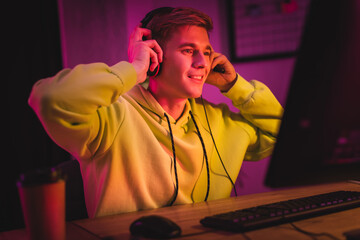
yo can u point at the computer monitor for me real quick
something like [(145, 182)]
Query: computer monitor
[(319, 139)]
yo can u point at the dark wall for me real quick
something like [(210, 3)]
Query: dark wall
[(93, 31), (32, 51)]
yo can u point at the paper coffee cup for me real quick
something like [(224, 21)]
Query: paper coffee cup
[(42, 197)]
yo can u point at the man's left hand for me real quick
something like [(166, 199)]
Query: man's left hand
[(225, 79)]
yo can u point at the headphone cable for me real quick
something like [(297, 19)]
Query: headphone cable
[(217, 151)]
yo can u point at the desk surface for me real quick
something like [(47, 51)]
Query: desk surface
[(188, 216)]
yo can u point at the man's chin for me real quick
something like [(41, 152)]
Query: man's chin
[(196, 95)]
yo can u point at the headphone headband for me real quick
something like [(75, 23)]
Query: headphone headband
[(150, 15)]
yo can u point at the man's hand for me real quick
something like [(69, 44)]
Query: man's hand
[(142, 51), (222, 80)]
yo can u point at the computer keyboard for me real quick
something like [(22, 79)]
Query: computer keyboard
[(243, 220)]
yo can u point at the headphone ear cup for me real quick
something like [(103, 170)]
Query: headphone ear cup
[(145, 21), (155, 72)]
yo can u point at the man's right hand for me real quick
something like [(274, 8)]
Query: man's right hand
[(143, 52)]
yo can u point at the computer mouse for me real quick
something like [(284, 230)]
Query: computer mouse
[(155, 226), (353, 234)]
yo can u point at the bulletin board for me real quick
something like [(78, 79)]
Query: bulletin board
[(266, 29)]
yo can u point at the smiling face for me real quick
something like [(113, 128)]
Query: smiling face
[(186, 64)]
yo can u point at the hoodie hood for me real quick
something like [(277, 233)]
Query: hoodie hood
[(138, 96)]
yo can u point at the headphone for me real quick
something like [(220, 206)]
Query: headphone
[(159, 12), (145, 21)]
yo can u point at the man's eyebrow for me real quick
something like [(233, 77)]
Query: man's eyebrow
[(193, 45)]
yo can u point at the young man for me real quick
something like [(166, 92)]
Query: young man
[(147, 147)]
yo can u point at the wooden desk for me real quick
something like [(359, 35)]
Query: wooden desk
[(73, 232), (188, 216)]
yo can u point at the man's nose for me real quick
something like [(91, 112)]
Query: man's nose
[(199, 60)]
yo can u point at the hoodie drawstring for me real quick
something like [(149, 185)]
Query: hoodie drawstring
[(174, 158), (205, 155)]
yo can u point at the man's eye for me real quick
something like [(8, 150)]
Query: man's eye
[(207, 53), (188, 51)]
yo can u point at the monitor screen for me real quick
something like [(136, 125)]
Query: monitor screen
[(319, 139)]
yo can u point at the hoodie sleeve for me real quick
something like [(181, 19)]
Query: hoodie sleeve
[(76, 105), (258, 105)]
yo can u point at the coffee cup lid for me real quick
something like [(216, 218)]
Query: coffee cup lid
[(40, 176)]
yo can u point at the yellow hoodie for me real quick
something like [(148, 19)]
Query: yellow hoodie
[(118, 133)]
